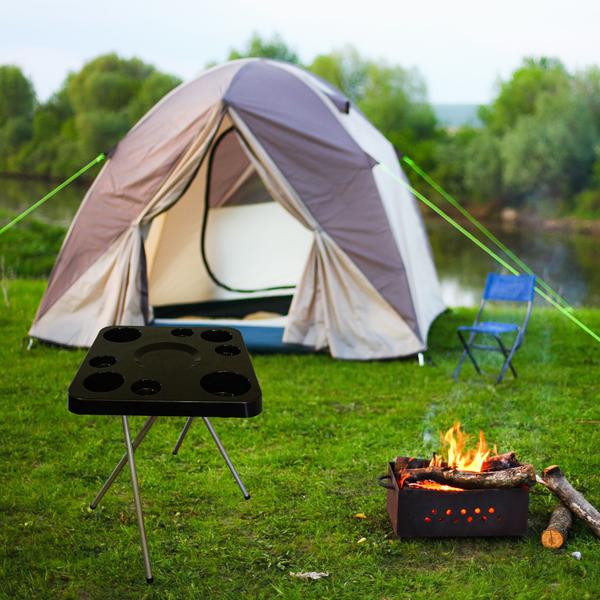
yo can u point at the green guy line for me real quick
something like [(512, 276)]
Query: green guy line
[(456, 204), (49, 195), (495, 256)]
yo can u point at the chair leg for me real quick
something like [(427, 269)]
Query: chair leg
[(508, 361), (136, 498), (467, 352)]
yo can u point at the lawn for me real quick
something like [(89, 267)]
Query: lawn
[(310, 461)]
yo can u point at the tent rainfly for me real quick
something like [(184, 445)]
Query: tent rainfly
[(253, 188)]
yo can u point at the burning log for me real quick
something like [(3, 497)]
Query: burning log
[(408, 462), (500, 462), (507, 478), (555, 535), (556, 482)]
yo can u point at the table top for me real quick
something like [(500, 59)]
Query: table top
[(164, 371)]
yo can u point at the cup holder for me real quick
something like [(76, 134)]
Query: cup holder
[(102, 362), (122, 334), (182, 332), (225, 383), (145, 387), (216, 335), (228, 350), (103, 382)]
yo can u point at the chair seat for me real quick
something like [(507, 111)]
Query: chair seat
[(491, 327)]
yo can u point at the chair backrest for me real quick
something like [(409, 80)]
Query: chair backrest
[(509, 288)]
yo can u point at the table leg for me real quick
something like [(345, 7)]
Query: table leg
[(136, 498), (138, 440), (224, 454), (182, 435)]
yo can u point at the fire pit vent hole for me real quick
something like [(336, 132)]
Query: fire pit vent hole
[(228, 350), (122, 334), (102, 362), (182, 332), (103, 382), (145, 387), (225, 383), (216, 335)]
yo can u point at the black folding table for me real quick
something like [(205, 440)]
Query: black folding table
[(165, 372)]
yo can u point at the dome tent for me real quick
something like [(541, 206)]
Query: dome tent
[(253, 178)]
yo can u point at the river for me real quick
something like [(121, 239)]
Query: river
[(567, 261)]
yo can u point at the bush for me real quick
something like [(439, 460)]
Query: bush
[(587, 204), (30, 248)]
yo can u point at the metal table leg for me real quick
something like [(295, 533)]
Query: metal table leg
[(138, 440), (224, 454), (136, 498), (182, 435)]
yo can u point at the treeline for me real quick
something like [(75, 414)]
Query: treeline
[(538, 147)]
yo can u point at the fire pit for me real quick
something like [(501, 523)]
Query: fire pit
[(468, 494)]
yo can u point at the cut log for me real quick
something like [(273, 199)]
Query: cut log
[(500, 462), (556, 482), (469, 480), (555, 535)]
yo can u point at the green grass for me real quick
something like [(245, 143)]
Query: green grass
[(30, 248), (310, 461)]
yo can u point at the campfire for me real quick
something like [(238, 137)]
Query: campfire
[(475, 491), (461, 491), (459, 468)]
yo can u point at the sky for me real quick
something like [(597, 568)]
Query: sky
[(462, 48)]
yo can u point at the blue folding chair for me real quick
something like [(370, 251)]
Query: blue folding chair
[(498, 288)]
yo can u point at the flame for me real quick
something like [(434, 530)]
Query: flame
[(428, 484), (454, 441)]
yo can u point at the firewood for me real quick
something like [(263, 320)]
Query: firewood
[(409, 462), (555, 535), (507, 478), (556, 482), (500, 462)]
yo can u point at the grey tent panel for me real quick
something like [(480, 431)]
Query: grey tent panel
[(327, 169)]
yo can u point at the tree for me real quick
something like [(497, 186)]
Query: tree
[(153, 88), (274, 48), (394, 99), (548, 155), (91, 112), (587, 85), (483, 167), (345, 69), (17, 102), (449, 159), (519, 95), (17, 96)]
